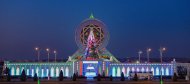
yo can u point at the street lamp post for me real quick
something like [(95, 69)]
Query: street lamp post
[(148, 53), (55, 52), (38, 53), (48, 53), (140, 52), (162, 49), (47, 49)]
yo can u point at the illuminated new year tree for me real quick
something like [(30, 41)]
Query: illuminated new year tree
[(91, 51)]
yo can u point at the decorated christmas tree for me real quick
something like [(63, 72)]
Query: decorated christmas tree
[(91, 49)]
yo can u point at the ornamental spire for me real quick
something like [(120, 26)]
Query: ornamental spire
[(91, 16)]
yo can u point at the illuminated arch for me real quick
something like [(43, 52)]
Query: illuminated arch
[(32, 72), (123, 70), (128, 70), (17, 71), (167, 71), (147, 70), (152, 70), (67, 71), (133, 69), (113, 72), (47, 72), (142, 69), (157, 71), (118, 72), (27, 72), (162, 70), (52, 72), (42, 73), (137, 69), (13, 71), (57, 72), (37, 71)]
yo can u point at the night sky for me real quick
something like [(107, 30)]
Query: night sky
[(132, 24)]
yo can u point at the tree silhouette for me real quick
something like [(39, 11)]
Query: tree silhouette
[(182, 71), (175, 77), (8, 77), (74, 77), (135, 77), (111, 78), (103, 74), (7, 73), (99, 77), (61, 76), (35, 78), (23, 76), (6, 70), (122, 77)]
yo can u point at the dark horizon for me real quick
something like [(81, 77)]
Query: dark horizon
[(133, 25)]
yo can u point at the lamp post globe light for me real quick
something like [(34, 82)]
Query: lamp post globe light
[(47, 49), (140, 52), (148, 54), (55, 52), (162, 49), (38, 53)]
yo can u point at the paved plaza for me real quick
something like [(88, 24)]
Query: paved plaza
[(84, 81)]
